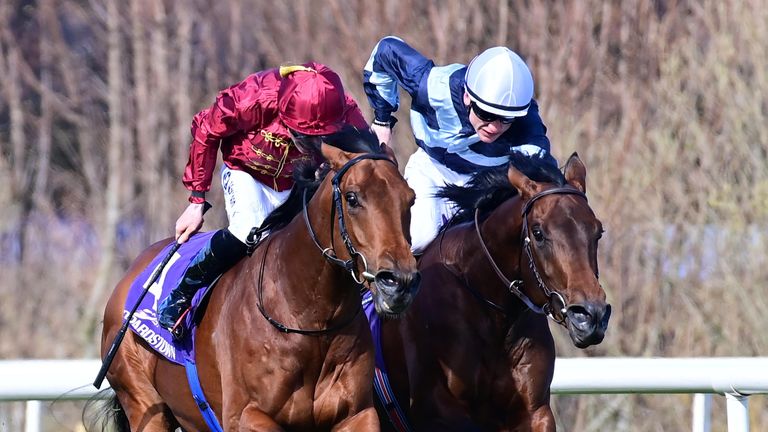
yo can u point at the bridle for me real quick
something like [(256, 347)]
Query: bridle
[(329, 253), (515, 286)]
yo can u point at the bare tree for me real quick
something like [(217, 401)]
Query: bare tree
[(17, 151), (664, 101), (114, 175)]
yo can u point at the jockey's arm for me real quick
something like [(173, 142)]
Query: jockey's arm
[(392, 62), (224, 118), (528, 135)]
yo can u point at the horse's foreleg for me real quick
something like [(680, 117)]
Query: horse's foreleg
[(543, 420), (535, 414), (533, 373), (253, 420), (365, 420)]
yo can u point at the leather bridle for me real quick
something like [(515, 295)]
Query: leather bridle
[(515, 286), (329, 253)]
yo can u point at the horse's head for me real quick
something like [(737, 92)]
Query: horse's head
[(560, 234), (372, 202)]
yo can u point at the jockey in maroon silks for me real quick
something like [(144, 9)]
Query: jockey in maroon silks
[(264, 126)]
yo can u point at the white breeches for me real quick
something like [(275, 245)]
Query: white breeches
[(425, 175), (247, 201)]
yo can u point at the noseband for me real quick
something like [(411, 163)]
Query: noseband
[(515, 287)]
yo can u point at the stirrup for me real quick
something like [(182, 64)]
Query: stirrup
[(177, 331)]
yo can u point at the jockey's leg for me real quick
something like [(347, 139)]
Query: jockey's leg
[(221, 252), (428, 213), (248, 203)]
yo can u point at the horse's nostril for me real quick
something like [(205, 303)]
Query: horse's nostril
[(589, 316), (386, 279), (578, 315)]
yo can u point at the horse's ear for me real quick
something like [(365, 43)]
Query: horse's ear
[(389, 152), (335, 156), (525, 186), (576, 173)]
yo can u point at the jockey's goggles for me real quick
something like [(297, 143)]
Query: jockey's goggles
[(489, 117)]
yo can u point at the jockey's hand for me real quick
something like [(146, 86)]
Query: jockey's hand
[(384, 133), (189, 222)]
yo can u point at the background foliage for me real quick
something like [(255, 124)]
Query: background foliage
[(665, 101)]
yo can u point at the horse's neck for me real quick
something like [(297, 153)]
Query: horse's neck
[(501, 236), (293, 247)]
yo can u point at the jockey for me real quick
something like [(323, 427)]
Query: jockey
[(264, 126), (464, 118)]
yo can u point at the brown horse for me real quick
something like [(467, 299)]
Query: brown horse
[(474, 351), (307, 363)]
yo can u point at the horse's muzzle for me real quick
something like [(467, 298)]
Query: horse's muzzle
[(395, 290), (587, 323)]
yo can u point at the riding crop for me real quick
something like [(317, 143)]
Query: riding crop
[(121, 334)]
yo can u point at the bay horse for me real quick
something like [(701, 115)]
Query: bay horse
[(306, 361), (474, 351)]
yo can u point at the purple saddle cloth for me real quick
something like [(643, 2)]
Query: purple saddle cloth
[(144, 321)]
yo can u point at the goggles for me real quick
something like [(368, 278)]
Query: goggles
[(304, 142), (300, 136), (489, 117)]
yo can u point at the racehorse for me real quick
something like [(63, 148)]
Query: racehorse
[(282, 344), (474, 351)]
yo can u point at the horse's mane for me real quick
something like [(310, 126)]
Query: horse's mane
[(309, 175), (488, 188)]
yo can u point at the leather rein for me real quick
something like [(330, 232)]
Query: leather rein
[(515, 286), (329, 253)]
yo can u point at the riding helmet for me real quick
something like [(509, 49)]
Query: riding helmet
[(499, 82), (311, 99)]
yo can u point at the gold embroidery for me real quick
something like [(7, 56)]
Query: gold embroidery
[(261, 168), (266, 169), (262, 154), (275, 140)]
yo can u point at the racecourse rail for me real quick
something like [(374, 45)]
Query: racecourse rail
[(734, 377)]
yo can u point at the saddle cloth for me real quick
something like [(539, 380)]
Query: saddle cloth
[(144, 321)]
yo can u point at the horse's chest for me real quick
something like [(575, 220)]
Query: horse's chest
[(493, 384), (503, 388), (309, 383)]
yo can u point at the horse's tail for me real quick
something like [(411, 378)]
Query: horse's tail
[(100, 415)]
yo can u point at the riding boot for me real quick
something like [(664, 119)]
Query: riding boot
[(222, 251)]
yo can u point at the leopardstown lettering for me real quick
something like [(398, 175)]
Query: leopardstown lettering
[(156, 341)]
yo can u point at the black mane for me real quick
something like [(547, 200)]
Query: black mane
[(490, 187), (354, 140), (308, 176)]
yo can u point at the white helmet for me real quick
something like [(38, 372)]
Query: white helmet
[(499, 82)]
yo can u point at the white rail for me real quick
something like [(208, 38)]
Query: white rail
[(22, 380), (734, 377)]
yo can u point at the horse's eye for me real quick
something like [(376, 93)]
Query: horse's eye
[(537, 233), (351, 198)]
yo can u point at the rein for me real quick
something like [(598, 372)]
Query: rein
[(329, 252), (282, 327), (515, 286)]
